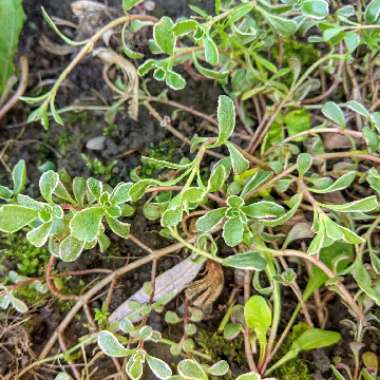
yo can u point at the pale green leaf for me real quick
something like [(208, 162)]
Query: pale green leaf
[(233, 230), (246, 260), (333, 112), (226, 119), (85, 224), (206, 222), (48, 183), (362, 205), (70, 249), (238, 161), (15, 217), (160, 369), (191, 370), (163, 35), (109, 344), (340, 184)]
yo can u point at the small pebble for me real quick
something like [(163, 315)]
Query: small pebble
[(96, 143)]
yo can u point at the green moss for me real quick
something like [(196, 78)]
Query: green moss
[(166, 150), (98, 168), (218, 348), (28, 260)]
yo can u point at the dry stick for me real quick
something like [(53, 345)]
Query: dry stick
[(83, 299), (63, 346), (24, 69)]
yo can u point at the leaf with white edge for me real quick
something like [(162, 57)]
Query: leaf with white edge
[(217, 179), (171, 218), (147, 66), (110, 345), (184, 27), (135, 367), (246, 261), (333, 112), (129, 4), (4, 301), (226, 119), (164, 164), (119, 228), (318, 9), (95, 187), (340, 184), (255, 181), (208, 73), (5, 193), (372, 12), (297, 199), (238, 161), (362, 205), (211, 51), (280, 24), (160, 369), (79, 190), (15, 217), (263, 210), (38, 236), (304, 162), (258, 317), (120, 193), (19, 177), (371, 138), (163, 35), (194, 194), (206, 222), (63, 376), (352, 41), (175, 81), (85, 224), (373, 178), (70, 249), (350, 236), (249, 376), (220, 368), (19, 305), (358, 108), (191, 370), (48, 183), (233, 231)]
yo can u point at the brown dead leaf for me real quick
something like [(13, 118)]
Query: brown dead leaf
[(334, 141)]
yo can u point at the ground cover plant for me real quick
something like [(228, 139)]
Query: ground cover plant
[(242, 242)]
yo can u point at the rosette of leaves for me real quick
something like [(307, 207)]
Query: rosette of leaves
[(69, 221)]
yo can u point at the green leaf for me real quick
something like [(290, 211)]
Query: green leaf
[(297, 199), (255, 181), (19, 305), (263, 210), (135, 367), (233, 230), (15, 217), (238, 161), (172, 217), (70, 249), (333, 112), (330, 33), (163, 35), (362, 205), (217, 179), (160, 369), (85, 224), (63, 376), (79, 190), (109, 344), (239, 12), (297, 121), (246, 260), (19, 175), (304, 162), (373, 178), (12, 18), (211, 51), (280, 24), (95, 187), (341, 183), (145, 67), (258, 316), (314, 338), (220, 368), (318, 9), (129, 4), (358, 108), (191, 370), (226, 119), (119, 228), (164, 164), (372, 11), (208, 73), (352, 41), (175, 81), (371, 138), (5, 193), (249, 376), (39, 235), (194, 195), (206, 222), (121, 193), (184, 27), (235, 201), (48, 183)]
